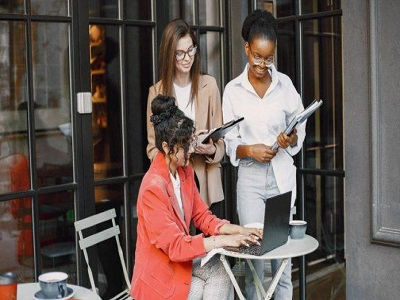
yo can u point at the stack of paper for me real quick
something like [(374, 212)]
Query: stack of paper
[(300, 118)]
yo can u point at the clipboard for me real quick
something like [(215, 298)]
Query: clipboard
[(300, 118), (217, 133)]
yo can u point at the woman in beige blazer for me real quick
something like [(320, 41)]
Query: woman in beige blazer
[(199, 97)]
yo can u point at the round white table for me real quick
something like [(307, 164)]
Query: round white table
[(26, 291), (293, 248)]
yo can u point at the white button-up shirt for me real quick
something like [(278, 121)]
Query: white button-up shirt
[(264, 119)]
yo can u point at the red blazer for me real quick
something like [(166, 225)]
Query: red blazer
[(164, 247)]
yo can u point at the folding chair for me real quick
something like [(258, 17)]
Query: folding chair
[(91, 240)]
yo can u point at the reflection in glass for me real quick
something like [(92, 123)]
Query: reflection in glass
[(210, 45), (16, 238), (322, 75), (50, 7), (57, 233), (138, 77), (267, 5), (209, 12), (324, 214), (106, 97), (14, 91), (181, 9), (314, 6), (51, 88), (286, 57), (104, 9), (12, 7), (137, 10), (285, 8)]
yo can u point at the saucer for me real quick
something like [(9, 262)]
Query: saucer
[(40, 296)]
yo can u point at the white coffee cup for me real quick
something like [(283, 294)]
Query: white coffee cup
[(54, 284)]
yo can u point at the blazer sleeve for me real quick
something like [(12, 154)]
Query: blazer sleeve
[(216, 121), (151, 149), (163, 230)]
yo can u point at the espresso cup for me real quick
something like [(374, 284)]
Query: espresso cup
[(297, 229), (54, 284), (8, 286)]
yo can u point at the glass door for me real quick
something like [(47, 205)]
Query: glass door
[(37, 145)]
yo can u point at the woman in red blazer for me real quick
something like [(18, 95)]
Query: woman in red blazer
[(167, 256)]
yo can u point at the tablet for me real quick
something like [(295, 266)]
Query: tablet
[(217, 133)]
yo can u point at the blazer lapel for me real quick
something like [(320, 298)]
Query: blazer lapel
[(175, 205)]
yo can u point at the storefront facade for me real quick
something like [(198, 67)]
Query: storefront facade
[(75, 79)]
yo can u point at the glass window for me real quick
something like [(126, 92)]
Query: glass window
[(314, 6), (285, 8), (12, 7), (286, 57), (209, 12), (14, 90), (16, 238), (137, 10), (50, 7), (51, 88), (57, 233), (267, 5), (138, 78), (210, 44), (106, 97), (104, 9), (322, 73), (324, 204), (181, 9)]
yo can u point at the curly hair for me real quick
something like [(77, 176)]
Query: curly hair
[(260, 24), (170, 124)]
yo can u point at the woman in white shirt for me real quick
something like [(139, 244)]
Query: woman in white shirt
[(268, 101)]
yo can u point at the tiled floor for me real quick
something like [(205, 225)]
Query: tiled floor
[(325, 281), (329, 283)]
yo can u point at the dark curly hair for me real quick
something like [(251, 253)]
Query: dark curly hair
[(170, 124), (260, 24)]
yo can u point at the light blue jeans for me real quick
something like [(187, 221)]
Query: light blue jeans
[(256, 182)]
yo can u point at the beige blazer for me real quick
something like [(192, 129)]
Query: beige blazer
[(208, 115)]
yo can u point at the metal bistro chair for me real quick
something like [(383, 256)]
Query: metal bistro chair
[(99, 237)]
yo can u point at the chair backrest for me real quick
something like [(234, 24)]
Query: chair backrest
[(93, 239)]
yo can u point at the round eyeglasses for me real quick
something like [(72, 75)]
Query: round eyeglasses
[(258, 60), (180, 54)]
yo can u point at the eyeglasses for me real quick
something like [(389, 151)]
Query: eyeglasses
[(180, 54), (258, 60)]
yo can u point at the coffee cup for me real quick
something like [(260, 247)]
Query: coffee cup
[(54, 284), (8, 286), (297, 229)]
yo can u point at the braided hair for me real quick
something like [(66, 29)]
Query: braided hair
[(170, 124), (260, 24)]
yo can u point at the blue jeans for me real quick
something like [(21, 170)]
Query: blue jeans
[(256, 182)]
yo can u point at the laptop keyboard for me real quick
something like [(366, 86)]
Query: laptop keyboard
[(253, 249)]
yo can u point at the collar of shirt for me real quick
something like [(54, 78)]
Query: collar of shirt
[(176, 182), (243, 79)]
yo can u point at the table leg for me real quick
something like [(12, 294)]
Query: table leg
[(276, 278), (232, 277), (257, 281)]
